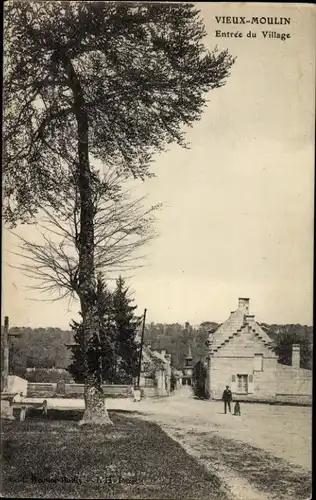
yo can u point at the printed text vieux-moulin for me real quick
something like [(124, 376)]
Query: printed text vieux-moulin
[(261, 21), (253, 20)]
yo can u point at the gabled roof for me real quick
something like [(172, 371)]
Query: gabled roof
[(149, 356), (239, 321), (159, 355), (146, 355)]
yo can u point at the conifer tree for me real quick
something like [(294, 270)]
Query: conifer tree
[(100, 351), (199, 379), (126, 327)]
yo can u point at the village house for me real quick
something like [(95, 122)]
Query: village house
[(155, 376), (241, 355)]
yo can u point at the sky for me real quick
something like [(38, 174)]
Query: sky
[(237, 216)]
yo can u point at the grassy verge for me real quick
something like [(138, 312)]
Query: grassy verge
[(133, 459), (264, 471)]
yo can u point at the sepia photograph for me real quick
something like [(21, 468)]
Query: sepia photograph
[(157, 250)]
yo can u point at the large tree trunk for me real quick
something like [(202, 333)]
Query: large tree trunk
[(95, 411)]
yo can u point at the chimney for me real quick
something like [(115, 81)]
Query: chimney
[(243, 304), (163, 352), (250, 318), (296, 356)]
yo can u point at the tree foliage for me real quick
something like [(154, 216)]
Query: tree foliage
[(199, 378), (173, 381), (46, 347), (38, 348), (284, 336), (99, 354), (136, 73), (175, 339), (49, 375), (126, 327), (113, 352)]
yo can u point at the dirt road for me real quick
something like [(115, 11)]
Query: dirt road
[(263, 455)]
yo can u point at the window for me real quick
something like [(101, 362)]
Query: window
[(149, 382), (258, 362), (242, 384)]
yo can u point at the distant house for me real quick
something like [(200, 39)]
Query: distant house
[(188, 369), (155, 378), (241, 355)]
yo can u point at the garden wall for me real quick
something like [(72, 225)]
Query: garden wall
[(74, 390), (294, 381)]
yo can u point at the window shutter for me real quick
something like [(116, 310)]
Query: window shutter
[(250, 384), (233, 383), (258, 362)]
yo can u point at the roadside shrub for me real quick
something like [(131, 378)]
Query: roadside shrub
[(48, 375)]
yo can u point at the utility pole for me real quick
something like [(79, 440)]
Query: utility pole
[(141, 348), (5, 354)]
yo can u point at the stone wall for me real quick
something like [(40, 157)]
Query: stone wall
[(265, 382), (149, 392), (76, 390), (293, 381), (41, 388), (300, 400), (116, 391)]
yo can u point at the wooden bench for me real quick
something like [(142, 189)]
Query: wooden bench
[(23, 406)]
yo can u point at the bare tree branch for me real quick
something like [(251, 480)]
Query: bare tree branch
[(122, 227)]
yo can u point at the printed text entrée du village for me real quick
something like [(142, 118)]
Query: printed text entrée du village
[(266, 34)]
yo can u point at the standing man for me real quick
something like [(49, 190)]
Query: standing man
[(227, 398)]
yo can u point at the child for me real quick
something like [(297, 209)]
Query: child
[(136, 394)]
